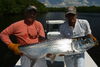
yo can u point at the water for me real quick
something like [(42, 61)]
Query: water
[(93, 18)]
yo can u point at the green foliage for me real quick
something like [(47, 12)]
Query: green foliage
[(17, 6), (90, 9)]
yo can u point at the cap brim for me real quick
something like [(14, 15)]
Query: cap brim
[(70, 12), (31, 8)]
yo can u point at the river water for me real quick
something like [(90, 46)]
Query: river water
[(93, 18)]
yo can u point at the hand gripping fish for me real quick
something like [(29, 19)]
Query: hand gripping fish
[(57, 47)]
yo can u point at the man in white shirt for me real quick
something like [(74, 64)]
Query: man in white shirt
[(74, 27)]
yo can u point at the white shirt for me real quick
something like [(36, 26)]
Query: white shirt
[(82, 28)]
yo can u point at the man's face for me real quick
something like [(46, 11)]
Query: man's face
[(30, 16), (71, 19)]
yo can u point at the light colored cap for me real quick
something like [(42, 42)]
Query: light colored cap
[(71, 10)]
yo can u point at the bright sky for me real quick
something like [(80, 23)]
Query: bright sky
[(73, 2)]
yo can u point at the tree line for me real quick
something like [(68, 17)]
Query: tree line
[(87, 9), (17, 6)]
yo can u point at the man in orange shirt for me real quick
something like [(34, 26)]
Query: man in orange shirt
[(27, 31)]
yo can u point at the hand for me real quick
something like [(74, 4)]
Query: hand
[(61, 55), (49, 55), (91, 36), (94, 39), (15, 49)]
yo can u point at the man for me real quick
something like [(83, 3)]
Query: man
[(74, 27), (27, 31)]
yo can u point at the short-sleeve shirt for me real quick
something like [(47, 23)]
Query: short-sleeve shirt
[(82, 28)]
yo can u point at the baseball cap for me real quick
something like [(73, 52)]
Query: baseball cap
[(71, 9), (31, 8)]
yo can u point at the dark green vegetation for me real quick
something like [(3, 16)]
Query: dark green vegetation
[(17, 6), (89, 9)]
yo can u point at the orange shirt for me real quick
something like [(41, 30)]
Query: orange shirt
[(26, 34)]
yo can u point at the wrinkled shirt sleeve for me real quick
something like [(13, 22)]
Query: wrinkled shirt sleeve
[(41, 30), (88, 29), (4, 35)]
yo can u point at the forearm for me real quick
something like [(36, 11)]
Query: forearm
[(91, 36), (4, 35), (5, 38)]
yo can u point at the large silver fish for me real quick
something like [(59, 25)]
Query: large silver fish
[(57, 47)]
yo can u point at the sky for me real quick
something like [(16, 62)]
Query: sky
[(72, 2)]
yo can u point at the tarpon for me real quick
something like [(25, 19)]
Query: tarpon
[(57, 47)]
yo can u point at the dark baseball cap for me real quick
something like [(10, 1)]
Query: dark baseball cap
[(31, 8)]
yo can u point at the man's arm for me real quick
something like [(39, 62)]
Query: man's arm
[(41, 33), (88, 31), (4, 35), (91, 36)]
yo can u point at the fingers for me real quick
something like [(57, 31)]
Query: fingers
[(61, 55), (48, 55), (15, 49)]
